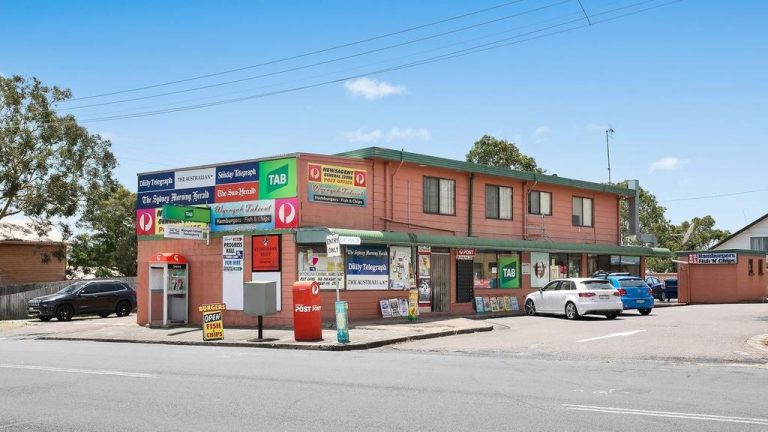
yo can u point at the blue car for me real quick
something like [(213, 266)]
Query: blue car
[(635, 293)]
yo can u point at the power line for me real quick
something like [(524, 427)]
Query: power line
[(714, 196), (460, 53), (414, 54), (472, 50), (310, 53), (324, 62)]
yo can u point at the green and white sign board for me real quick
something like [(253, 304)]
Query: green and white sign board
[(186, 214), (277, 179), (509, 271)]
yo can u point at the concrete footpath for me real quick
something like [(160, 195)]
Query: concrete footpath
[(126, 330)]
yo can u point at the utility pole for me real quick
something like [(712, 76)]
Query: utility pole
[(608, 133)]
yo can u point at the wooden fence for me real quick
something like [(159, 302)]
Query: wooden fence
[(13, 299)]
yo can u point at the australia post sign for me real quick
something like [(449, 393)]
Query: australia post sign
[(252, 195)]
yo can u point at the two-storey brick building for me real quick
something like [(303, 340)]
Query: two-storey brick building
[(454, 230)]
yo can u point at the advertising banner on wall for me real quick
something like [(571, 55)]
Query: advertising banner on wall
[(336, 185), (269, 182), (539, 269), (277, 179), (232, 271), (266, 253), (367, 268), (509, 271), (183, 197), (713, 258), (399, 267)]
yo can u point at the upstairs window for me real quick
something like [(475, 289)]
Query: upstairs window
[(540, 203), (498, 202), (439, 196), (758, 243), (582, 211)]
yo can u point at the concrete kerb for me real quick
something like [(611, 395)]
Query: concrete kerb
[(331, 346)]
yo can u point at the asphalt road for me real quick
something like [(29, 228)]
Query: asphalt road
[(694, 334), (89, 386)]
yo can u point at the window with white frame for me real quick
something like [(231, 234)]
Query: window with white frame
[(439, 196), (540, 203), (582, 211), (498, 202)]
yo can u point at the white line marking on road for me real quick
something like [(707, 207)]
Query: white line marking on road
[(688, 416), (629, 333), (81, 371)]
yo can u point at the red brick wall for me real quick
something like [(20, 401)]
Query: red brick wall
[(722, 283), (398, 206), (22, 263)]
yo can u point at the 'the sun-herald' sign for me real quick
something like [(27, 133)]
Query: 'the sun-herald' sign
[(713, 258)]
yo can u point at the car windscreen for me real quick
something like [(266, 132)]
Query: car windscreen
[(597, 284), (69, 289), (631, 283)]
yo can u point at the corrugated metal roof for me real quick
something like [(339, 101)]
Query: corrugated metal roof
[(398, 155)]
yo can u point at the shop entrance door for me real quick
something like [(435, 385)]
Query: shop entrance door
[(465, 281), (156, 296), (441, 281)]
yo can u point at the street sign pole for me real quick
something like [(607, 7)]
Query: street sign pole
[(333, 251)]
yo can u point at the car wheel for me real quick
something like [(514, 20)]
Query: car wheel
[(571, 312), (45, 318), (104, 314), (644, 311), (612, 315), (123, 309), (530, 308), (64, 313), (664, 296)]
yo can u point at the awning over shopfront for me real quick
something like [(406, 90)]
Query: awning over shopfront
[(317, 235)]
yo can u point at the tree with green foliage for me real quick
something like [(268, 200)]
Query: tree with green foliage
[(501, 153), (668, 235), (108, 246), (50, 166)]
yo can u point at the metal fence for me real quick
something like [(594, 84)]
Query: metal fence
[(14, 298)]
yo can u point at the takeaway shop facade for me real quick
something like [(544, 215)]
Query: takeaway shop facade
[(469, 238)]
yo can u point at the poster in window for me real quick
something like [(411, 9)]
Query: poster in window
[(266, 253), (509, 271), (425, 281), (314, 265), (399, 267), (539, 267)]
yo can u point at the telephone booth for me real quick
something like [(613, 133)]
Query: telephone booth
[(168, 290)]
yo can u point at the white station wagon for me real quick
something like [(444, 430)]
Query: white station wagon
[(574, 297)]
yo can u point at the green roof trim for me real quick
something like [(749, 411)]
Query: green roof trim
[(420, 159), (317, 235)]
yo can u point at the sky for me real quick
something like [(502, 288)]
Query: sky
[(682, 84)]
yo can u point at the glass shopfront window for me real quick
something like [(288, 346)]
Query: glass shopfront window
[(564, 265), (614, 264), (485, 269)]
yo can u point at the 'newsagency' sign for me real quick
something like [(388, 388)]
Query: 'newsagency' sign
[(713, 258)]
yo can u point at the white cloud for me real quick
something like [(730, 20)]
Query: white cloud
[(361, 136), (667, 163), (372, 89), (541, 133), (395, 134)]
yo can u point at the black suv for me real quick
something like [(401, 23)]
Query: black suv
[(102, 297)]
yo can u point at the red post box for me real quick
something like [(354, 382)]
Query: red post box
[(307, 319)]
